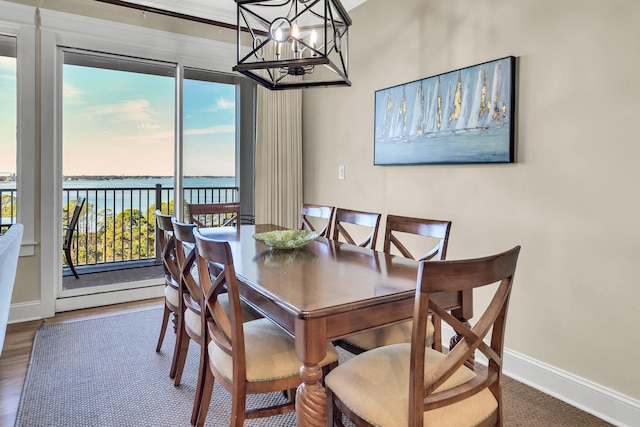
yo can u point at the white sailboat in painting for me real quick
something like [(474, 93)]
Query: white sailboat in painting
[(493, 113), (466, 104), (478, 103), (417, 120)]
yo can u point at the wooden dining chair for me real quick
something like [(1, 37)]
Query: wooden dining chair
[(214, 214), (413, 385), (245, 358), (193, 323), (171, 276), (435, 235), (324, 213), (362, 220)]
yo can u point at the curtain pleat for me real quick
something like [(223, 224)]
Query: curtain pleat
[(278, 186)]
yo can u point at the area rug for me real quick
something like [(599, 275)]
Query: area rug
[(105, 372)]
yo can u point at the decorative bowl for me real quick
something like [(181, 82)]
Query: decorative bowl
[(286, 239)]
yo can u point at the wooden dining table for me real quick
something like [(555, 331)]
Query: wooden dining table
[(324, 291)]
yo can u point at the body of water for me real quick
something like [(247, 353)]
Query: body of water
[(117, 195)]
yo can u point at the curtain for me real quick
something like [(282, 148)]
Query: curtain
[(278, 185)]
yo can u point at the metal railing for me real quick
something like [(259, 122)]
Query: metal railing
[(8, 208), (117, 225)]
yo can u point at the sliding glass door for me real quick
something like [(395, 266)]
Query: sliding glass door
[(135, 133)]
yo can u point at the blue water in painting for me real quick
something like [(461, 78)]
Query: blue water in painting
[(487, 146)]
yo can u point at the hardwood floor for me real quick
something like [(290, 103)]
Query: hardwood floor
[(17, 350)]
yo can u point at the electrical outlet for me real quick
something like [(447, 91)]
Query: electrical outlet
[(341, 172)]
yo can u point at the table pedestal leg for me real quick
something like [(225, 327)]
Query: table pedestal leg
[(310, 398)]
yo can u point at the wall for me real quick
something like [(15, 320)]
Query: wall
[(571, 199)]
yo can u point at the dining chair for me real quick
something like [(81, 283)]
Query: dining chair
[(193, 323), (362, 220), (324, 213), (410, 384), (245, 358), (166, 245), (214, 214), (68, 235), (435, 235)]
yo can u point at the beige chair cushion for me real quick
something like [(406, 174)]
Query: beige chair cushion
[(270, 353), (394, 334), (375, 386), (171, 294), (192, 321)]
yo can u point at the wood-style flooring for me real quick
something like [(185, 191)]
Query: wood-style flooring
[(17, 350)]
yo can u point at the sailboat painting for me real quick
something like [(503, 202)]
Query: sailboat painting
[(463, 116)]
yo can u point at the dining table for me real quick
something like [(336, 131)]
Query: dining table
[(324, 291)]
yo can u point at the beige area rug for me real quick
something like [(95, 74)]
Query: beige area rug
[(105, 372)]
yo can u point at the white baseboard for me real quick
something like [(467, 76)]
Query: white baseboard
[(606, 404), (24, 311), (31, 310), (108, 298)]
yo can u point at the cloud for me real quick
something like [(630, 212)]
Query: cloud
[(221, 105), (224, 104), (211, 130), (72, 94), (138, 110)]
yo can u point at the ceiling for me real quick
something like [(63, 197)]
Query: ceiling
[(215, 10)]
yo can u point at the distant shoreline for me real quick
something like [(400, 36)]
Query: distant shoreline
[(123, 177)]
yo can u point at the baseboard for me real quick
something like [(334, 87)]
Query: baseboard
[(31, 310), (108, 298), (604, 403), (24, 311)]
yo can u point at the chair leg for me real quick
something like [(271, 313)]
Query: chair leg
[(176, 350), (67, 255), (183, 347), (202, 372), (163, 328), (207, 391), (238, 406)]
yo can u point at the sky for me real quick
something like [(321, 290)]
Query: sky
[(122, 123)]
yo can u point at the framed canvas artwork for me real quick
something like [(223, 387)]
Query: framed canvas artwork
[(463, 116)]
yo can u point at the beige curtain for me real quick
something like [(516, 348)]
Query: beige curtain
[(278, 186)]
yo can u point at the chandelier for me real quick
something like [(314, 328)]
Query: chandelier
[(294, 43)]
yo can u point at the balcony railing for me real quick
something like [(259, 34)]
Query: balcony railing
[(8, 208), (117, 225)]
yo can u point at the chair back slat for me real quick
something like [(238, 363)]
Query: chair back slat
[(225, 330), (167, 246), (368, 220), (214, 214), (436, 229), (186, 258), (310, 211)]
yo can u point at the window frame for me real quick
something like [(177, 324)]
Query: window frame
[(17, 21)]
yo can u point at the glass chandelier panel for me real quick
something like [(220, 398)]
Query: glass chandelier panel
[(293, 43)]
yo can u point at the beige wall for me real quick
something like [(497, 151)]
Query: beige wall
[(571, 200)]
